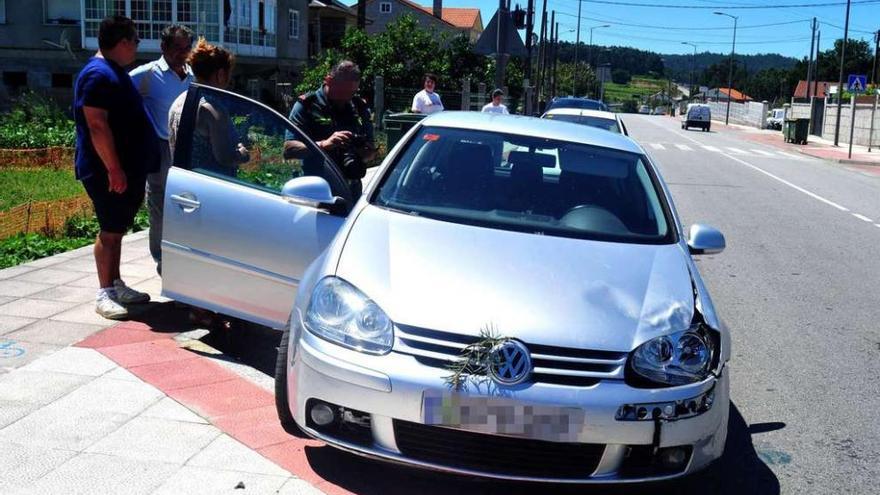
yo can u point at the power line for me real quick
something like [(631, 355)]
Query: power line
[(732, 7), (613, 34), (664, 28), (841, 28)]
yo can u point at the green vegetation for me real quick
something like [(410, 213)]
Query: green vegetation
[(78, 232), (639, 88), (37, 184), (35, 122)]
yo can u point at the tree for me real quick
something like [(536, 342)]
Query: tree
[(620, 76), (565, 74)]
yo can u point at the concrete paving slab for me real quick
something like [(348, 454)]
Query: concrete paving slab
[(25, 464), (133, 251), (88, 474), (170, 409), (131, 271), (84, 313), (108, 395), (38, 387), (43, 262), (197, 480), (121, 374), (19, 288), (54, 275), (73, 360), (13, 323), (85, 264), (58, 426), (67, 294), (17, 353), (228, 454), (296, 486), (155, 439), (10, 412), (62, 333), (14, 271), (6, 299), (153, 287), (90, 280), (34, 308)]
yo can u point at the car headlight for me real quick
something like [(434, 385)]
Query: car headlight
[(342, 314), (675, 359)]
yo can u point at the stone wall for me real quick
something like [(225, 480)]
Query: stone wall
[(752, 114), (862, 124)]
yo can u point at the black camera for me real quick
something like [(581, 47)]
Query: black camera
[(352, 164)]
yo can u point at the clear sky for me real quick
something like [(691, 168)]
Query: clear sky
[(663, 29)]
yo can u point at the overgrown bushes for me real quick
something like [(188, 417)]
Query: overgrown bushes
[(35, 122)]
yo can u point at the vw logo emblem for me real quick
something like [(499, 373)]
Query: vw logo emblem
[(509, 363)]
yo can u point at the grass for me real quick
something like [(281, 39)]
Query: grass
[(640, 87), (38, 184)]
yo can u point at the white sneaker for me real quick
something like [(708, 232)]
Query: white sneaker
[(108, 308), (127, 295)]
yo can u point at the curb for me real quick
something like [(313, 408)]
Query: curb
[(843, 161)]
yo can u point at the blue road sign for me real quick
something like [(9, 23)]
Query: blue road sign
[(857, 83)]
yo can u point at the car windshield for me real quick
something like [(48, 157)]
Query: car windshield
[(527, 184), (592, 121), (581, 103)]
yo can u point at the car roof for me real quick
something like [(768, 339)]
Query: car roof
[(533, 126), (585, 112)]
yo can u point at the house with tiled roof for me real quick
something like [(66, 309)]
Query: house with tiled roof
[(820, 88), (724, 94), (455, 20)]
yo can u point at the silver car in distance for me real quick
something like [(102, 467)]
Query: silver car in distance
[(512, 298)]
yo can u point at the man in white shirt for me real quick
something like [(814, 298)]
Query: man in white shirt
[(427, 101), (495, 106), (160, 82)]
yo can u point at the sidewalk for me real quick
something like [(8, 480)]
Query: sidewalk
[(88, 405), (815, 147)]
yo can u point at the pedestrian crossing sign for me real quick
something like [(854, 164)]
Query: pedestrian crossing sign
[(857, 83)]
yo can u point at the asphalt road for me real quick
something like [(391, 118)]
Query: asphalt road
[(798, 285)]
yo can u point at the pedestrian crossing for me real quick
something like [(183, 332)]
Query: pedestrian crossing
[(729, 150)]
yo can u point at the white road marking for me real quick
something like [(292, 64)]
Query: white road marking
[(737, 151), (712, 148), (768, 174), (877, 225), (862, 218), (684, 147), (762, 152), (658, 146), (789, 155)]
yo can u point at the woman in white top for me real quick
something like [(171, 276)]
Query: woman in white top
[(495, 106), (427, 101)]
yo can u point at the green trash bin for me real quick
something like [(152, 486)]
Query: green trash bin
[(796, 131), (398, 124)]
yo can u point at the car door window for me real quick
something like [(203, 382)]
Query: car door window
[(237, 139)]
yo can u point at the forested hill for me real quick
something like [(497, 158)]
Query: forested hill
[(678, 67)]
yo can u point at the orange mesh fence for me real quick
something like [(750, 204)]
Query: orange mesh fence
[(55, 157), (46, 217)]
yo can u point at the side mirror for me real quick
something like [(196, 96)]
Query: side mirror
[(314, 192), (703, 239)]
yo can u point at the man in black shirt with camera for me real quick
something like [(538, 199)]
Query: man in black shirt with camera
[(338, 122)]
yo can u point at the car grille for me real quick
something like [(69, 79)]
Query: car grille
[(496, 454), (550, 364)]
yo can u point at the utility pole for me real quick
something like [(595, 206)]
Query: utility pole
[(730, 69), (693, 65), (501, 48), (876, 50), (577, 43), (555, 51), (530, 10), (810, 64), (816, 79), (542, 54), (362, 15), (840, 79)]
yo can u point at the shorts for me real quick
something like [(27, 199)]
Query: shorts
[(115, 211)]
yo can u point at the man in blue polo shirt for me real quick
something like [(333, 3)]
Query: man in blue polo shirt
[(160, 82), (115, 149)]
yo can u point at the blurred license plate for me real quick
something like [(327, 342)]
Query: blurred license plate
[(501, 415)]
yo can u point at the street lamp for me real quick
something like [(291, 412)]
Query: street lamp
[(577, 44), (730, 69), (693, 64), (840, 79), (590, 52)]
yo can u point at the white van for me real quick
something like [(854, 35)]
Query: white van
[(697, 115)]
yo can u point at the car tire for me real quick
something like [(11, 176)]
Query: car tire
[(282, 404)]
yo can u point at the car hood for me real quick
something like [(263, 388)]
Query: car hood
[(540, 289)]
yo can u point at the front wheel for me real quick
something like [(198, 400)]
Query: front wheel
[(282, 404)]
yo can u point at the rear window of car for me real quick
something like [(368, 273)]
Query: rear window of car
[(592, 121), (581, 103), (527, 184)]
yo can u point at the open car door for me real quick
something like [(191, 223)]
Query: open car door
[(236, 239)]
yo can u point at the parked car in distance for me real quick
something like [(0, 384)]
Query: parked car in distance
[(697, 115), (776, 118), (659, 110), (580, 287), (575, 102), (645, 109), (608, 121)]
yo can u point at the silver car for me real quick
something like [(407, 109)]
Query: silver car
[(470, 313)]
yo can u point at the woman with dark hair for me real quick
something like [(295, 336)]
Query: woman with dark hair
[(214, 134)]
